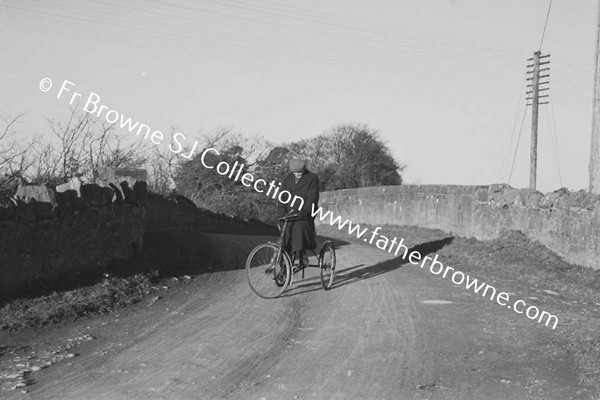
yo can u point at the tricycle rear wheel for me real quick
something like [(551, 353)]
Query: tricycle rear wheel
[(327, 264)]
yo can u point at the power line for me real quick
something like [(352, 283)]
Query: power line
[(283, 11), (517, 147), (412, 49), (545, 24), (204, 39), (337, 27), (421, 51), (555, 136), (514, 130), (555, 150), (448, 57), (573, 94), (583, 73)]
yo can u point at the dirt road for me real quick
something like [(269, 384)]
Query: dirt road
[(375, 335)]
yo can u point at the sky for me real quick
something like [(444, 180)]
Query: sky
[(441, 80)]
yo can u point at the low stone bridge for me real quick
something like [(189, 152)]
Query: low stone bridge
[(566, 222)]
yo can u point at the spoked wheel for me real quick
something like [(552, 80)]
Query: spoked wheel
[(267, 276), (327, 264)]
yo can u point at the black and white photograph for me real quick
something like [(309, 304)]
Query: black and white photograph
[(312, 200)]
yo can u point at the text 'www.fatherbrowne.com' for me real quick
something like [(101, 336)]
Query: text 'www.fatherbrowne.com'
[(396, 247)]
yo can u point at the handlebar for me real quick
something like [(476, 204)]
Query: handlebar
[(289, 215)]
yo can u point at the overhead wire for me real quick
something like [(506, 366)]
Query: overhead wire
[(571, 84), (555, 136), (434, 54), (517, 146), (573, 94), (574, 66), (431, 54), (420, 33), (243, 36), (545, 24), (277, 10), (394, 45), (173, 34), (514, 129), (553, 141), (581, 74), (415, 50), (423, 52)]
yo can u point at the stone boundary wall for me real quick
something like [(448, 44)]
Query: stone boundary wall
[(39, 253), (566, 222), (180, 212), (56, 236), (53, 237)]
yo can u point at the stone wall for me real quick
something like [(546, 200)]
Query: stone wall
[(180, 212), (49, 237), (37, 253), (566, 222), (71, 237)]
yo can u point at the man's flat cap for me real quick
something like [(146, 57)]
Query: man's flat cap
[(297, 165)]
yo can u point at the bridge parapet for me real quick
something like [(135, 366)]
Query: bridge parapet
[(566, 222)]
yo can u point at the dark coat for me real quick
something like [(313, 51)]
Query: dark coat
[(307, 188), (300, 233)]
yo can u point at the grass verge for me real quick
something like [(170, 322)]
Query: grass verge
[(167, 255), (113, 293)]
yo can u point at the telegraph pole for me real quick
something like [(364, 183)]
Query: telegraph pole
[(594, 170), (533, 94)]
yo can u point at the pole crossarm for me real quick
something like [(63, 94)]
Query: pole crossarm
[(533, 97)]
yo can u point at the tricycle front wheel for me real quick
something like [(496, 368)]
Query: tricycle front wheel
[(268, 274)]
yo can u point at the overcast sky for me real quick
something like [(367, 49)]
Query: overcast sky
[(442, 80)]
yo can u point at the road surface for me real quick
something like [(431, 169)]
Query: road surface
[(378, 334)]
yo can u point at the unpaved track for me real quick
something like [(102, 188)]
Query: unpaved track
[(370, 337)]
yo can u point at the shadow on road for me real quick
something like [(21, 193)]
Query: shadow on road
[(354, 274), (360, 272), (307, 285), (338, 243)]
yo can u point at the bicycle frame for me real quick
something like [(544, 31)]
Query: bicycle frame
[(279, 244), (284, 277)]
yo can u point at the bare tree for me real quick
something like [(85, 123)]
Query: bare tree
[(13, 152), (250, 148), (161, 165), (81, 144)]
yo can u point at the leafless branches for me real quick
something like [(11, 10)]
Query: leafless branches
[(12, 150), (250, 149), (79, 145)]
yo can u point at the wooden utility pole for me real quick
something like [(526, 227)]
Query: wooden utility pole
[(534, 119), (534, 96), (594, 170)]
